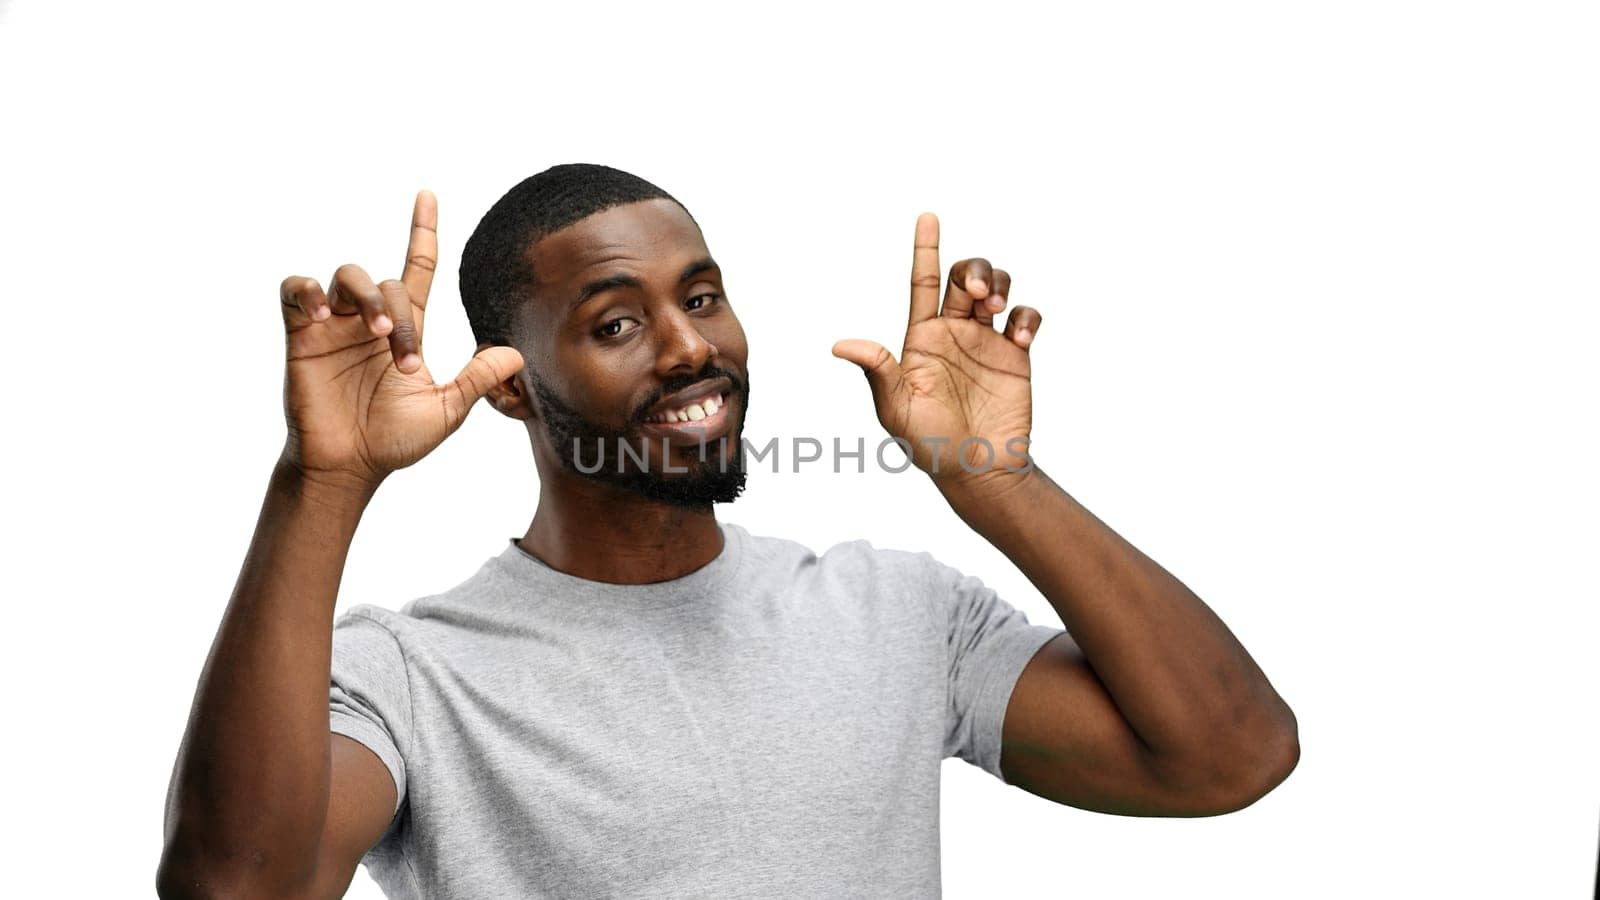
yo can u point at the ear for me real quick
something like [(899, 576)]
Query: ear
[(509, 396)]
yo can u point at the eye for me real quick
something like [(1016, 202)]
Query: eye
[(614, 328), (708, 298)]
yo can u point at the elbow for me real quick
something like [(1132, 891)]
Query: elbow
[(1280, 757), (1242, 767), (186, 873), (1264, 761), (171, 886), (176, 880)]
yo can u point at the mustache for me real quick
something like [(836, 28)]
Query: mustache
[(681, 382)]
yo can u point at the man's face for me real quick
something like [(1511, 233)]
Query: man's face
[(636, 356)]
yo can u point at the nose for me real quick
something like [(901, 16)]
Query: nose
[(680, 347)]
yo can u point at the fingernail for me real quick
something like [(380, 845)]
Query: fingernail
[(974, 285), (320, 313), (409, 362), (1024, 336), (381, 323), (996, 301)]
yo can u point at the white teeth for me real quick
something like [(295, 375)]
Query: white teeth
[(694, 412)]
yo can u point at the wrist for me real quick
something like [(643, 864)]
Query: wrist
[(336, 490), (978, 496)]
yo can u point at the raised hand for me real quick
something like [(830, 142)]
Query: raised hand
[(961, 392), (354, 415)]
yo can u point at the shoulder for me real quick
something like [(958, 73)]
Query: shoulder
[(858, 556), (369, 623), (368, 639), (858, 568), (371, 617), (415, 618)]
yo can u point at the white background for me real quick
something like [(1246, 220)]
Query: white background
[(1319, 296)]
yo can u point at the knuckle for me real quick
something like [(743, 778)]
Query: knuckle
[(420, 261), (925, 281), (404, 332)]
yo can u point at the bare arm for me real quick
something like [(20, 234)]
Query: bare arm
[(1155, 709), (249, 800), (265, 801), (1151, 706)]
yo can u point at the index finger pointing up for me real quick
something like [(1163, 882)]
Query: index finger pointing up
[(422, 255), (925, 273)]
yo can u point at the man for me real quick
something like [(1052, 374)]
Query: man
[(634, 699)]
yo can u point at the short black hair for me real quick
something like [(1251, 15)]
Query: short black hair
[(497, 263)]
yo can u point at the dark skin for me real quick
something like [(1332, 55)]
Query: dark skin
[(1150, 707), (665, 326)]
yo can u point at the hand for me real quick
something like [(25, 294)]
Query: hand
[(354, 416), (957, 379)]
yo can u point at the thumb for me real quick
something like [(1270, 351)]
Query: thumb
[(490, 367), (876, 362)]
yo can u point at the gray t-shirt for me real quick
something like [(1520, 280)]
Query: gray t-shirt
[(771, 724)]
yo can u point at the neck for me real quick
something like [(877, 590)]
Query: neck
[(598, 532)]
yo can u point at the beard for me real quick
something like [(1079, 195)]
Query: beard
[(707, 481)]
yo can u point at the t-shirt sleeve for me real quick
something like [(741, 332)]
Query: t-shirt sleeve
[(988, 642), (369, 697)]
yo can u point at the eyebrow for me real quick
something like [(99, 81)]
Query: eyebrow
[(619, 281)]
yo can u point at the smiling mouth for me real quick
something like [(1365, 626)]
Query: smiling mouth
[(699, 422), (701, 409)]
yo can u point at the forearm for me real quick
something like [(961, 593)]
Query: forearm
[(250, 787), (1181, 680)]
